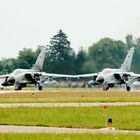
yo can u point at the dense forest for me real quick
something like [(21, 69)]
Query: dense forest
[(61, 58)]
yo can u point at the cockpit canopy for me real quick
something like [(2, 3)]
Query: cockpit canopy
[(19, 71)]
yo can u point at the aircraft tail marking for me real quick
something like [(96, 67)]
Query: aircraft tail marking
[(127, 62), (38, 66)]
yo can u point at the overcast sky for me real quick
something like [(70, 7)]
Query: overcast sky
[(28, 23)]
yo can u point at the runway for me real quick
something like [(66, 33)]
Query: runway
[(55, 91), (37, 129), (17, 91), (12, 105)]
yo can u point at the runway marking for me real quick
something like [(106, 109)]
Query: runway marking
[(12, 105), (17, 91), (55, 90), (36, 129)]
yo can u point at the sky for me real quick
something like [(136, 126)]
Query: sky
[(29, 23)]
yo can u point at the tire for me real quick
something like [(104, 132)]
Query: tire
[(18, 88), (39, 87), (105, 88), (128, 88)]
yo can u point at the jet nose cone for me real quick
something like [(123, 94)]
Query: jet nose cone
[(100, 79), (11, 80)]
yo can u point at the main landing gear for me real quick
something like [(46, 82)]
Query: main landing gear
[(40, 87), (128, 88), (106, 86), (18, 86)]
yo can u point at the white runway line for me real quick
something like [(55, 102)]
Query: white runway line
[(12, 105), (80, 90), (36, 129), (17, 91)]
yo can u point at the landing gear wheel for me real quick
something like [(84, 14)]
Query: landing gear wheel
[(39, 87), (128, 88), (18, 88), (106, 88)]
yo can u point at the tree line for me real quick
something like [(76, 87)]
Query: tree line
[(61, 58)]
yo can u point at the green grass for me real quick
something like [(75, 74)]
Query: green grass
[(127, 117), (42, 136), (70, 95)]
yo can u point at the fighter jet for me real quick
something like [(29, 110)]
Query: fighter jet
[(22, 77), (109, 77)]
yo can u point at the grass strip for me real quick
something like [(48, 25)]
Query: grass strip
[(42, 136), (124, 117), (69, 95)]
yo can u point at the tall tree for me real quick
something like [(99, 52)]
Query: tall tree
[(60, 56), (107, 53), (1, 68), (80, 59), (26, 58), (8, 65)]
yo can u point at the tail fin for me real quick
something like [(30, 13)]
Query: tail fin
[(127, 62), (38, 66)]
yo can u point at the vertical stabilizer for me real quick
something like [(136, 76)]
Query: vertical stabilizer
[(38, 66), (127, 62)]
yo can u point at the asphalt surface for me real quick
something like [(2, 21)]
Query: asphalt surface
[(17, 91), (36, 90), (5, 105), (35, 129)]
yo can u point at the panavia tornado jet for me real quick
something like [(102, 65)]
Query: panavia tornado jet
[(108, 77), (22, 77)]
